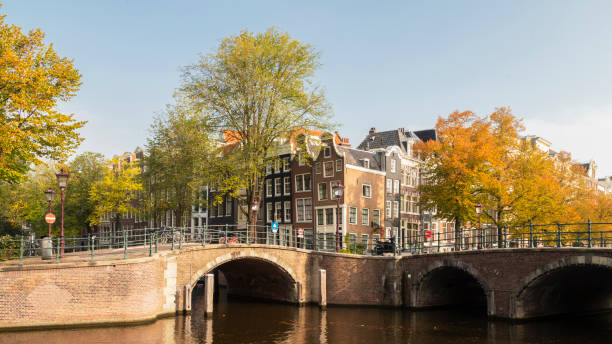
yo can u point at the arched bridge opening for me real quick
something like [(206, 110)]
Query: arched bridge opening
[(571, 289), (249, 278), (450, 287)]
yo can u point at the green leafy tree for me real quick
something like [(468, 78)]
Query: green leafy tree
[(116, 192), (256, 89), (33, 78), (178, 149)]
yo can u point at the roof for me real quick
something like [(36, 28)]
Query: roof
[(426, 135), (353, 157), (382, 139)]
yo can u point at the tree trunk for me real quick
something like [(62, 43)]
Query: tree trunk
[(457, 234)]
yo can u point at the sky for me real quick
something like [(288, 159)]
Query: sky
[(385, 64)]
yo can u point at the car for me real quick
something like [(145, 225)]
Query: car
[(381, 247)]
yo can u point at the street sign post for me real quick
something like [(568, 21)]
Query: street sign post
[(275, 226), (428, 234), (50, 218)]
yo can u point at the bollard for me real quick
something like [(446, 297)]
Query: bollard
[(589, 224), (322, 289), (21, 251), (209, 285)]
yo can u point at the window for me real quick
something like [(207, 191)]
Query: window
[(302, 182), (365, 216), (287, 211), (396, 186), (318, 168), (333, 185), (393, 162), (375, 217), (277, 166), (320, 217), (268, 187), (329, 216), (364, 239), (304, 209), (287, 190), (328, 169), (228, 207), (322, 191), (219, 210), (366, 190), (278, 187), (269, 212), (339, 165), (353, 215), (326, 152), (301, 160), (286, 165), (269, 168), (389, 185), (388, 209), (278, 212), (395, 209), (365, 163)]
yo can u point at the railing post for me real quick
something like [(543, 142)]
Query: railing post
[(93, 249), (150, 244), (156, 240), (558, 235), (589, 224), (57, 255), (530, 234), (21, 251), (124, 245)]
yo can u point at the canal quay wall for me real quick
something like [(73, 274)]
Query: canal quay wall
[(512, 283)]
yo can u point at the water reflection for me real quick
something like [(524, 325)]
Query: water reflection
[(248, 322)]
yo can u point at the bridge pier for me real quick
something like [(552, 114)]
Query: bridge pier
[(323, 289), (187, 299), (209, 292)]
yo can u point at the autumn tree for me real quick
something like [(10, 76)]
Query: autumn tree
[(178, 149), (33, 79), (258, 89), (116, 193)]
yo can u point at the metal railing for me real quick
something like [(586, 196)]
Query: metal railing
[(147, 241)]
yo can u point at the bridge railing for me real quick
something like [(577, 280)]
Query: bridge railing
[(147, 241)]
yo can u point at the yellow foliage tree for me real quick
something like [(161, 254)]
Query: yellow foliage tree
[(33, 78)]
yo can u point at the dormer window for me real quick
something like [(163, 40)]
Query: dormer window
[(365, 163)]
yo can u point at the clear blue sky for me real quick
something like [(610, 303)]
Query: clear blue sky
[(385, 64)]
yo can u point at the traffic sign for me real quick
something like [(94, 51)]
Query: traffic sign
[(300, 232), (428, 234), (50, 218), (274, 226)]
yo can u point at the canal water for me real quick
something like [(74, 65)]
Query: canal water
[(238, 321)]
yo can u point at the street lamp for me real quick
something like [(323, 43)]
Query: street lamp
[(479, 211), (254, 208), (62, 182), (338, 192), (50, 195)]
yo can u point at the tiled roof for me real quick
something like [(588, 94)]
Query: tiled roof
[(382, 139), (426, 135), (354, 157)]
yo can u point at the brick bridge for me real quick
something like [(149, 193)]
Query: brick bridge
[(508, 283)]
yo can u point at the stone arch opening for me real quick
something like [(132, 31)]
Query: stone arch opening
[(571, 287), (450, 287), (252, 278)]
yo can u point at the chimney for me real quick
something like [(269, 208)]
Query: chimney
[(345, 142), (372, 130), (401, 130)]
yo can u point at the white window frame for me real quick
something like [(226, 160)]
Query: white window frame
[(396, 186), (322, 194), (269, 169), (287, 211), (374, 211), (302, 209), (318, 168), (269, 188), (327, 163), (393, 165), (269, 212), (286, 165), (326, 152), (302, 176), (301, 160), (278, 210), (354, 221), (278, 187), (388, 209), (331, 188), (389, 185), (366, 212), (395, 209), (338, 165), (369, 187), (287, 185)]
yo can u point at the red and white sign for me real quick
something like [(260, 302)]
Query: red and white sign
[(300, 232), (50, 218), (428, 234)]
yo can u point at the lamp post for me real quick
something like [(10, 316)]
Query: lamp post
[(479, 211), (338, 192), (50, 195), (62, 181), (254, 208)]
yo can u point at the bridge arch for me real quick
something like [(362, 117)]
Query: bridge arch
[(450, 283), (254, 274), (577, 284)]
